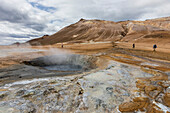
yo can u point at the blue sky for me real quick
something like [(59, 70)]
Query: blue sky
[(22, 20), (42, 7)]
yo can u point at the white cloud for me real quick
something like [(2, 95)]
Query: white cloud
[(34, 18)]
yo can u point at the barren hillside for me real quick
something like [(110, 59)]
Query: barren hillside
[(153, 30)]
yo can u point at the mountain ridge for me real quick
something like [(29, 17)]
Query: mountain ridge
[(101, 30)]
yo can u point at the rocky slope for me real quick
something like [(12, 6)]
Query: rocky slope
[(84, 30), (100, 30), (154, 29)]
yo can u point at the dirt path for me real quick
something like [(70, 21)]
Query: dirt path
[(163, 48)]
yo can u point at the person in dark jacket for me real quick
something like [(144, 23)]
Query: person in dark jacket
[(133, 45), (154, 47)]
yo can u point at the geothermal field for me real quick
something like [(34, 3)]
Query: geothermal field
[(100, 78), (89, 67)]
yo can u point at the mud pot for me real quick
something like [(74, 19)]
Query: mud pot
[(64, 63), (48, 66)]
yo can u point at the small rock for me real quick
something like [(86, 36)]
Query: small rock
[(130, 106), (98, 103), (109, 90), (159, 98), (144, 101), (81, 91), (142, 83), (20, 92), (168, 90), (3, 94), (46, 92), (153, 91), (141, 99), (150, 88), (91, 86), (163, 77), (164, 84), (53, 82), (57, 88), (3, 90), (166, 99), (29, 93)]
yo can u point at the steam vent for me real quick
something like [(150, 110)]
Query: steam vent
[(67, 64)]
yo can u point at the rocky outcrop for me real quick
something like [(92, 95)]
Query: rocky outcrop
[(156, 92)]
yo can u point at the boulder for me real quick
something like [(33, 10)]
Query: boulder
[(131, 106)]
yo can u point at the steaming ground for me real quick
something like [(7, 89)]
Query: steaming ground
[(118, 75), (11, 51)]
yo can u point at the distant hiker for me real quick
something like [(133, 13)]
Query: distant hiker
[(154, 47), (62, 46), (18, 44), (133, 45)]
